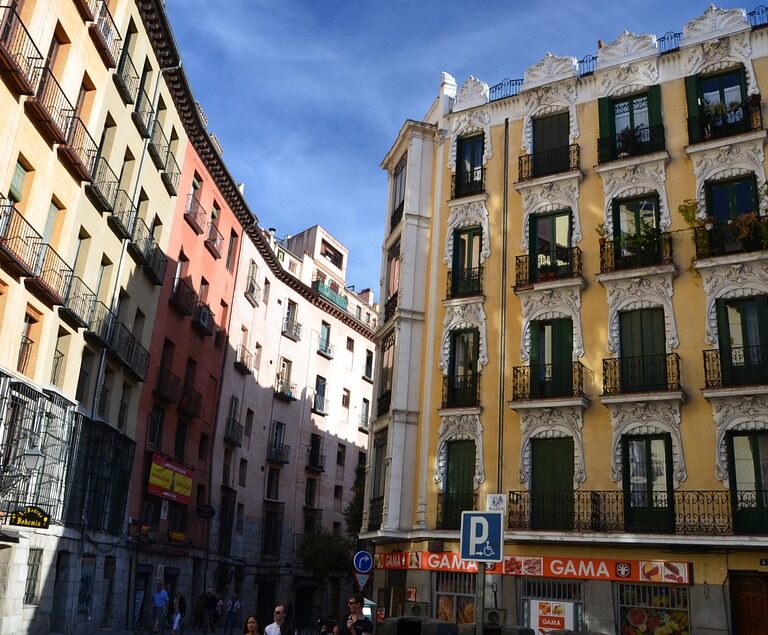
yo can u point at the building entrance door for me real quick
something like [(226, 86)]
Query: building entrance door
[(749, 602)]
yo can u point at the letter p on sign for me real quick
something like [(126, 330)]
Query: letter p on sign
[(478, 534), (482, 536)]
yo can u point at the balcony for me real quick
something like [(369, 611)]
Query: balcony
[(315, 460), (744, 234), (383, 403), (630, 143), (468, 183), (78, 303), (461, 391), (465, 283), (547, 381), (100, 324), (19, 242), (195, 214), (565, 159), (123, 216), (56, 366), (171, 175), (243, 360), (318, 404), (183, 297), (128, 350), (566, 266), (233, 433), (450, 506), (687, 513), (20, 60), (50, 109), (25, 352), (364, 425), (203, 319), (325, 290), (252, 291), (105, 36), (650, 248), (397, 216), (325, 348), (142, 113), (278, 452), (78, 154), (291, 329), (375, 513), (158, 146), (168, 386), (725, 121), (140, 245), (126, 79), (285, 390), (214, 241), (87, 9), (736, 366), (51, 277), (650, 373), (102, 189), (158, 262), (190, 402), (390, 306)]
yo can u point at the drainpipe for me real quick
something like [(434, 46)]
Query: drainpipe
[(503, 332)]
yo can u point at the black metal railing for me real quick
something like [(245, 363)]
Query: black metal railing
[(397, 216), (465, 282), (364, 424), (505, 88), (100, 323), (758, 17), (233, 432), (51, 108), (80, 150), (461, 391), (158, 146), (467, 183), (736, 366), (127, 348), (171, 174), (541, 381), (190, 401), (243, 359), (723, 120), (324, 347), (126, 78), (450, 506), (315, 460), (106, 36), (649, 373), (647, 249), (291, 329), (252, 290), (195, 214), (278, 452), (744, 233), (545, 268), (630, 142), (390, 306), (19, 241), (78, 303), (586, 65), (52, 275), (214, 241), (56, 366), (183, 297), (25, 352), (123, 215), (531, 166), (102, 189), (140, 245), (168, 386), (142, 113), (383, 403), (19, 57), (285, 389), (87, 9), (203, 318), (669, 42), (158, 262), (375, 513), (318, 404)]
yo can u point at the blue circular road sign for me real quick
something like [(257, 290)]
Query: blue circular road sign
[(363, 561)]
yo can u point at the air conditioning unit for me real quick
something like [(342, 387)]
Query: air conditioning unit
[(204, 317), (494, 617), (416, 609)]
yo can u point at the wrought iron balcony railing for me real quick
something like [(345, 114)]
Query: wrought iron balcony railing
[(52, 275), (543, 381), (190, 402), (465, 282), (315, 460), (383, 403), (168, 386), (87, 9), (565, 159), (325, 290), (630, 143), (318, 404), (743, 234), (545, 268), (285, 390), (214, 241), (648, 249), (158, 262), (505, 88), (468, 183), (233, 433), (78, 303), (100, 323), (50, 109), (195, 214), (79, 152), (102, 189), (171, 174), (726, 120), (243, 359), (183, 297), (390, 306), (736, 366), (461, 391), (21, 62), (105, 36), (450, 506), (158, 146), (140, 245), (364, 425), (126, 78), (278, 452), (292, 329), (253, 291), (19, 242), (325, 348), (142, 113), (123, 215), (128, 350), (375, 513), (649, 373), (203, 319), (396, 217)]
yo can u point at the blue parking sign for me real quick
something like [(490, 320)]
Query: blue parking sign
[(482, 536)]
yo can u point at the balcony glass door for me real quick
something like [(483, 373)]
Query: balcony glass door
[(469, 165), (550, 144), (743, 333), (643, 350), (462, 375), (550, 245), (551, 358), (648, 483), (748, 463), (459, 482), (635, 223), (467, 243), (552, 483)]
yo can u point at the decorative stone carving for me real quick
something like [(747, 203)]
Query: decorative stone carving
[(635, 180), (550, 68), (627, 46), (468, 215), (552, 423), (472, 93), (736, 413), (546, 100), (466, 316), (548, 197), (459, 428), (648, 417), (474, 121), (727, 161), (737, 280), (720, 54), (713, 22), (628, 294), (549, 304), (628, 78)]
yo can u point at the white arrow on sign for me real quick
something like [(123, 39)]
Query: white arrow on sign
[(362, 579)]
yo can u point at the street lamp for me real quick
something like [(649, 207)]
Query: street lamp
[(33, 457)]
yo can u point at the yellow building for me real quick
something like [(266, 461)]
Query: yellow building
[(611, 385)]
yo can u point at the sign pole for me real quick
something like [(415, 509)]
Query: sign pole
[(480, 601)]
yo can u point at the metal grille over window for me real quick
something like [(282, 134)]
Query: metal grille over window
[(33, 574), (455, 597), (552, 602), (653, 608)]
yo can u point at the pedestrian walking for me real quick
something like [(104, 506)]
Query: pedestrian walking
[(251, 626), (160, 608), (233, 613)]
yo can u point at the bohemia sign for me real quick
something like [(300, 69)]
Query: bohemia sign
[(30, 516), (660, 571)]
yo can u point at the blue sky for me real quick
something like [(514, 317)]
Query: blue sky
[(307, 96)]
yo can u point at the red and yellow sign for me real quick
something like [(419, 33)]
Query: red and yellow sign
[(657, 571), (169, 480)]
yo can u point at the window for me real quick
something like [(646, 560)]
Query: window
[(180, 442), (632, 216), (319, 401), (272, 533), (243, 473), (231, 249), (350, 345), (324, 345), (265, 295), (289, 323), (16, 190), (642, 341), (663, 605), (316, 459), (742, 325), (177, 518), (368, 373), (551, 358), (292, 266), (155, 427), (630, 125), (728, 199), (647, 462), (278, 435), (331, 254), (341, 454), (718, 105), (34, 560), (358, 312), (462, 380), (393, 270), (273, 484), (248, 422), (465, 270), (459, 483), (338, 493), (202, 447), (386, 374), (469, 166), (551, 140), (550, 249), (310, 492), (379, 463), (29, 333), (552, 483), (748, 468), (398, 192), (455, 597), (251, 284), (240, 518), (345, 395), (365, 411)]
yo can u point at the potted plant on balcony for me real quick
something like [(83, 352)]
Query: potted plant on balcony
[(602, 232), (547, 271), (713, 116), (701, 225)]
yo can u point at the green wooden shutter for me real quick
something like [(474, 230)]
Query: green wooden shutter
[(692, 97), (607, 124), (654, 106)]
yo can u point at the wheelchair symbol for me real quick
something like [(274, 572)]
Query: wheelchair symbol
[(486, 551)]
